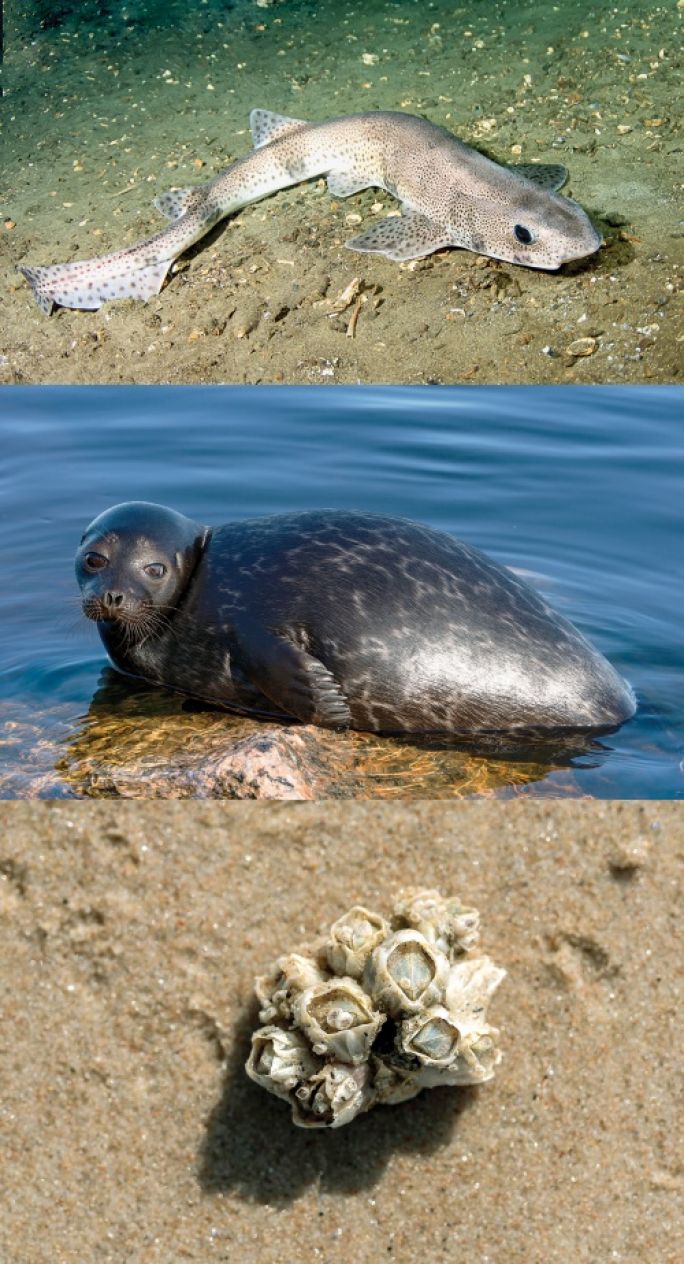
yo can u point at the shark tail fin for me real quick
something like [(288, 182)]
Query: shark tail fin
[(86, 286), (176, 202), (266, 126)]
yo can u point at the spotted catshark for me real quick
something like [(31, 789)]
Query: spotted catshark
[(450, 195)]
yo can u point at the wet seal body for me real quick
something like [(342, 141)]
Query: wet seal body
[(450, 195), (342, 619)]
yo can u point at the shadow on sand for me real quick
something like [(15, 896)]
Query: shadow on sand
[(252, 1148)]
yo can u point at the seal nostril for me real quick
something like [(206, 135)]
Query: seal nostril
[(113, 599)]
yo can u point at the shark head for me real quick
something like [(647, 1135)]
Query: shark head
[(524, 224)]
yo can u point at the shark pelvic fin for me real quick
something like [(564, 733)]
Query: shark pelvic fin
[(343, 183), (266, 126)]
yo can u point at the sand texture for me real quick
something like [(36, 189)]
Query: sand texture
[(130, 936), (107, 107)]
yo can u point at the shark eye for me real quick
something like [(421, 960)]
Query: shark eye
[(94, 561), (523, 234), (156, 570)]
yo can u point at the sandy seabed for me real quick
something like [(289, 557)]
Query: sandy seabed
[(130, 936), (108, 107)]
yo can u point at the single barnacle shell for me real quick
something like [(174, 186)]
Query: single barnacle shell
[(447, 1054), (474, 1063), (280, 1059), (470, 987), (406, 973), (353, 938), (448, 924), (332, 1096), (338, 1018), (277, 989), (431, 1036)]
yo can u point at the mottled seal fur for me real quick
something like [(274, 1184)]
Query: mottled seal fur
[(342, 619)]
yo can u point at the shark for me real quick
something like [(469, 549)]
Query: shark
[(450, 195)]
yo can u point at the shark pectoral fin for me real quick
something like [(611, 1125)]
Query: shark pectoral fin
[(549, 176), (299, 684), (266, 126), (175, 203), (343, 183), (409, 236)]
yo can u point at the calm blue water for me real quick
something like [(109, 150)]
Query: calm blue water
[(579, 488)]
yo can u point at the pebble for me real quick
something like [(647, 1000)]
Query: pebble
[(246, 319), (628, 855), (582, 347)]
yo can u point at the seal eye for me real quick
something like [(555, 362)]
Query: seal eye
[(94, 561), (523, 234), (155, 570)]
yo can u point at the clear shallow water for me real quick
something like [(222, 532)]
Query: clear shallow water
[(580, 489)]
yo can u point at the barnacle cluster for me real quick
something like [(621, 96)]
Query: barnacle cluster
[(376, 1011)]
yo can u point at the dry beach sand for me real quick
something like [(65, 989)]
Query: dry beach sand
[(130, 937), (106, 110)]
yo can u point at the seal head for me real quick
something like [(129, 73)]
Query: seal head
[(133, 565)]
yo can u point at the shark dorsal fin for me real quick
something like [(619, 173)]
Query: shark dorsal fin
[(266, 126), (549, 176)]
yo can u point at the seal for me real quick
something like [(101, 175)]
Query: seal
[(341, 619)]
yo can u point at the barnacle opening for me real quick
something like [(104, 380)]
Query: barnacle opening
[(358, 927), (412, 969), (353, 938), (436, 1040), (336, 1010)]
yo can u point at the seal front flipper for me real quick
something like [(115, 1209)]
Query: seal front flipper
[(299, 684), (401, 237)]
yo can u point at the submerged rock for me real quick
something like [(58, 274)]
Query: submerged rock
[(135, 743)]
